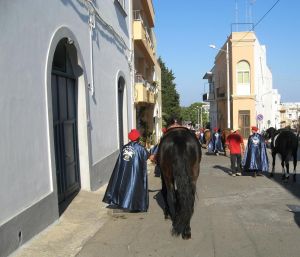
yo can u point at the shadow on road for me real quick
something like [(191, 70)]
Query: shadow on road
[(228, 170), (289, 185), (221, 154), (160, 200), (296, 210), (222, 168)]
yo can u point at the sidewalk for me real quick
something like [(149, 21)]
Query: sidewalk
[(80, 221)]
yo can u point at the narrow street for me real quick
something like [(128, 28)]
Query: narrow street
[(234, 216)]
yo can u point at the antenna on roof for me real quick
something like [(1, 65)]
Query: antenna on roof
[(236, 15), (251, 3), (249, 15)]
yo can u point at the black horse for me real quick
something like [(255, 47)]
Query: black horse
[(179, 157), (285, 143)]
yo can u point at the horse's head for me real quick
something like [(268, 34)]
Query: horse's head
[(269, 133)]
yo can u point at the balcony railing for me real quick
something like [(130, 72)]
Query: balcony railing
[(138, 16), (144, 90)]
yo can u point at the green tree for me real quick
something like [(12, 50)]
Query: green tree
[(190, 113), (169, 95)]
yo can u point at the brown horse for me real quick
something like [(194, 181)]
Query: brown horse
[(207, 137), (179, 156), (225, 134)]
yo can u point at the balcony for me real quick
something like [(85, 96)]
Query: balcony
[(141, 36), (144, 91), (208, 97), (149, 11)]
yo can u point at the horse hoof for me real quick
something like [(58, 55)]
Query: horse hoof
[(186, 236), (286, 179), (174, 232), (167, 217)]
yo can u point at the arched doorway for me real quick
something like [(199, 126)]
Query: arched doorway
[(121, 86), (64, 108)]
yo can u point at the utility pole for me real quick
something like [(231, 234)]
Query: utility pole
[(201, 117), (198, 115), (228, 87)]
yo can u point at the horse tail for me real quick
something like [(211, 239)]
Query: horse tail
[(185, 194)]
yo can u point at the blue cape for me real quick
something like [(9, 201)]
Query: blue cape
[(255, 157), (128, 184), (215, 144)]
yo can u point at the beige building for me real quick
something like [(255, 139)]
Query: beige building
[(147, 74), (251, 96)]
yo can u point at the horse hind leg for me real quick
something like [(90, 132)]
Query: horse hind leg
[(184, 212), (284, 175), (287, 165), (164, 192), (187, 232), (273, 165), (225, 150), (171, 203)]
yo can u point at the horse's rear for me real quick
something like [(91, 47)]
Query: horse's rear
[(285, 143), (206, 137), (225, 134), (179, 159)]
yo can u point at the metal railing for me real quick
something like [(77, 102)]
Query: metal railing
[(152, 87), (138, 16)]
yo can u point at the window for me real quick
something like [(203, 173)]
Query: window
[(122, 3), (243, 78), (244, 122)]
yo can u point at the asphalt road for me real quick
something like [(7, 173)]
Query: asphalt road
[(234, 217)]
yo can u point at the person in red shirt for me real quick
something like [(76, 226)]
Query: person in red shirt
[(236, 147)]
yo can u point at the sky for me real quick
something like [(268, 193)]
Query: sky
[(184, 29)]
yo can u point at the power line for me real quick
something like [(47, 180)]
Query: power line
[(260, 20), (266, 14)]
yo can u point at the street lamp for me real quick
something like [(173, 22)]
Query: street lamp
[(201, 122), (197, 108), (228, 87)]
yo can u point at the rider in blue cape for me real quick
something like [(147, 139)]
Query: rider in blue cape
[(128, 185), (255, 158), (215, 145)]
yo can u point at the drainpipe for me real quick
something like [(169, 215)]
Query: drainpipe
[(91, 28)]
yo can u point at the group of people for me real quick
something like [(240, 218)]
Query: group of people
[(128, 186), (255, 157)]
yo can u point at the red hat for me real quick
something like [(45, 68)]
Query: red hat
[(164, 130), (134, 135), (215, 129), (254, 128)]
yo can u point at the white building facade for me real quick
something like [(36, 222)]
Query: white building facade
[(290, 115), (66, 103), (267, 98)]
